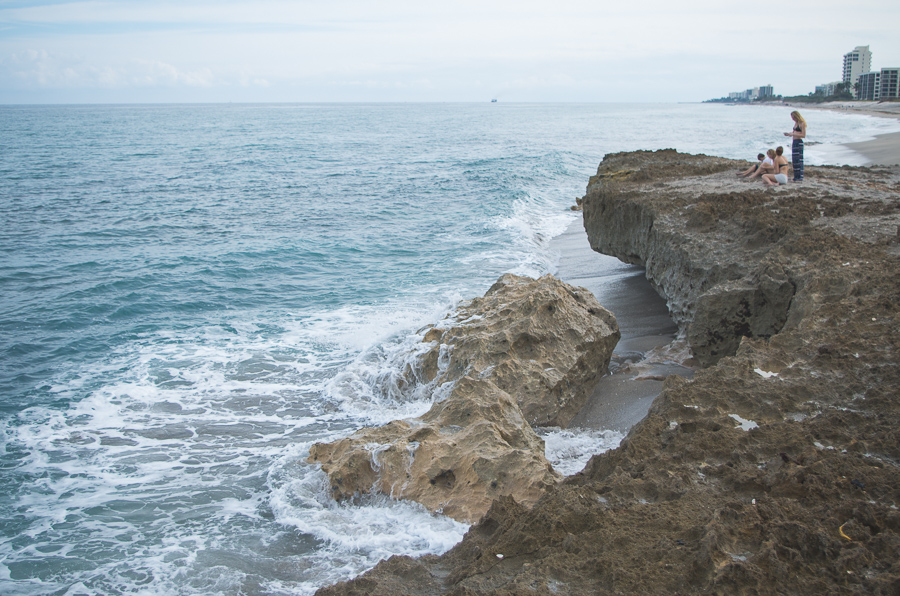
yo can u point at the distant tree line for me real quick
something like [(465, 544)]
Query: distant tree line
[(842, 92)]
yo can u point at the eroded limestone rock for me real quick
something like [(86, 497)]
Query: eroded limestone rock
[(543, 341), (462, 454), (773, 470), (529, 351)]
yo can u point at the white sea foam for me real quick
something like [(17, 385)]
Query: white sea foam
[(191, 430), (358, 533), (384, 382), (533, 225), (568, 450)]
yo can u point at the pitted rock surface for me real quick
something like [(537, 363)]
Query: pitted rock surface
[(543, 341), (528, 352)]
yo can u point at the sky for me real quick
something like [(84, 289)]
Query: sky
[(181, 51)]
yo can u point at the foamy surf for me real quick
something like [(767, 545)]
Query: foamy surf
[(179, 325)]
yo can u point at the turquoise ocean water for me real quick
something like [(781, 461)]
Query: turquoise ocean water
[(190, 296)]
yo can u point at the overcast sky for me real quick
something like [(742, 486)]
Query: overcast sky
[(419, 50)]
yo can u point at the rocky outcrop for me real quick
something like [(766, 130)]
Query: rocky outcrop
[(528, 352), (776, 469), (468, 450), (544, 342), (719, 286)]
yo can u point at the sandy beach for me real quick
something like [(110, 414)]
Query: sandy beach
[(646, 353), (883, 149)]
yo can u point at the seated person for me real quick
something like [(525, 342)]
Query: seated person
[(782, 167), (754, 167), (766, 167)]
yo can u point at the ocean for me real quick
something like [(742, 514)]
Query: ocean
[(192, 295)]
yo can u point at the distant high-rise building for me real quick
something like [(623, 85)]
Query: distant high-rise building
[(760, 92), (868, 86), (889, 86), (857, 62), (879, 85)]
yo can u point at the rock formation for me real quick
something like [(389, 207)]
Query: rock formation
[(529, 351), (718, 290), (544, 342), (776, 469)]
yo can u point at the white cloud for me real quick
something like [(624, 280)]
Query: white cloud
[(413, 50), (42, 69)]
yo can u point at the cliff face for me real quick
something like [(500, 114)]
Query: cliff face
[(701, 251), (776, 469)]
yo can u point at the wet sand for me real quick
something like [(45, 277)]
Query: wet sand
[(647, 352), (884, 149)]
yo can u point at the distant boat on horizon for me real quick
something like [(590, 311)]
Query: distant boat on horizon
[(493, 101)]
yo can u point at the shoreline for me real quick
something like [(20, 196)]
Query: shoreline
[(778, 459), (884, 149), (648, 350)]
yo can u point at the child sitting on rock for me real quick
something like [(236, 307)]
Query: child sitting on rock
[(752, 168), (766, 167)]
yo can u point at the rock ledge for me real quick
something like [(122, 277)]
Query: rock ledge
[(776, 469)]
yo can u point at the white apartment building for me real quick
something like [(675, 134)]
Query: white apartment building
[(889, 85), (868, 86), (751, 94), (857, 62), (879, 85)]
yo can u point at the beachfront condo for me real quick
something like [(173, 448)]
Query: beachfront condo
[(857, 62)]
